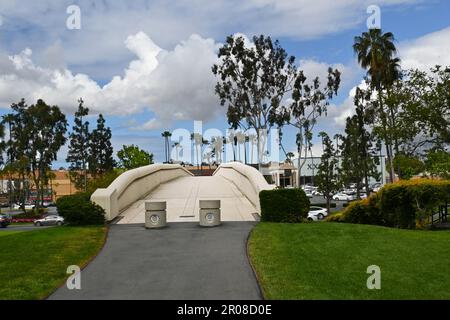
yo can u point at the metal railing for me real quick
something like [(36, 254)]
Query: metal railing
[(442, 215)]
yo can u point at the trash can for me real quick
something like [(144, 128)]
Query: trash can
[(210, 213), (155, 215)]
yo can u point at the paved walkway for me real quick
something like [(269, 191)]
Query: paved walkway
[(183, 194), (183, 261)]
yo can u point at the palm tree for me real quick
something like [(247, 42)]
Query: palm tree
[(233, 140), (376, 53), (252, 139), (240, 139), (166, 135), (177, 147), (197, 139), (217, 143)]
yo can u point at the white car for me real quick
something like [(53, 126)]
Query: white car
[(342, 197), (317, 213), (52, 220), (28, 206)]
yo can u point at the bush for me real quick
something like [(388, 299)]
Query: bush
[(335, 217), (405, 204), (29, 215), (79, 210), (284, 205)]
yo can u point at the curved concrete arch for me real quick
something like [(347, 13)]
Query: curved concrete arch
[(134, 185), (249, 181), (235, 184)]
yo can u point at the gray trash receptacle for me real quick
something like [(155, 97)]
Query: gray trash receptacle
[(155, 215), (210, 213)]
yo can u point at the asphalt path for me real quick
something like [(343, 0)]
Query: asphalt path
[(183, 261)]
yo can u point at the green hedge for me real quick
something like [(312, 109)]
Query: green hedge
[(33, 214), (78, 210), (284, 205), (406, 204)]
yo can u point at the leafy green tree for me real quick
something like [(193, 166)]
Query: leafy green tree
[(358, 161), (132, 157), (438, 163), (407, 166), (17, 144), (100, 149), (79, 148), (327, 177), (252, 82), (423, 101), (45, 128), (310, 102), (376, 52)]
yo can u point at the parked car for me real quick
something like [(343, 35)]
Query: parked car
[(317, 213), (5, 220), (52, 220), (349, 191), (376, 187), (309, 194), (48, 204), (342, 197), (28, 206)]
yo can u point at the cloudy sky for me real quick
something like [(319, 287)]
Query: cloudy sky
[(146, 64)]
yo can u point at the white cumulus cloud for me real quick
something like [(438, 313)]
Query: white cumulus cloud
[(427, 51), (174, 85)]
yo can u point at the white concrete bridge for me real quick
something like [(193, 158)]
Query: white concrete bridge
[(235, 184)]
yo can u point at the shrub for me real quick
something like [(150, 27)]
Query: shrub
[(405, 204), (409, 204), (29, 215), (78, 210), (284, 205), (335, 217)]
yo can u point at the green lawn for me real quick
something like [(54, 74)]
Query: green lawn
[(330, 260), (34, 263), (7, 233)]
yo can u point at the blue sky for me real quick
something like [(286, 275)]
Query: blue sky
[(146, 64)]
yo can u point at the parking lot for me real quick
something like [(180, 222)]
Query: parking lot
[(321, 200)]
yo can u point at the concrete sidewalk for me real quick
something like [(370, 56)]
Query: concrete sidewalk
[(183, 261)]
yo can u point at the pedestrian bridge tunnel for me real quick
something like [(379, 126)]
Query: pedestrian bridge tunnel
[(236, 185)]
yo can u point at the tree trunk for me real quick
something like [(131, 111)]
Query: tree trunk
[(386, 139), (328, 204)]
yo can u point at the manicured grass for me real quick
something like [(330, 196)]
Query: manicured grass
[(330, 260), (7, 233), (34, 263)]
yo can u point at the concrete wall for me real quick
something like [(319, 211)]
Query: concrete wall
[(133, 185), (247, 179)]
